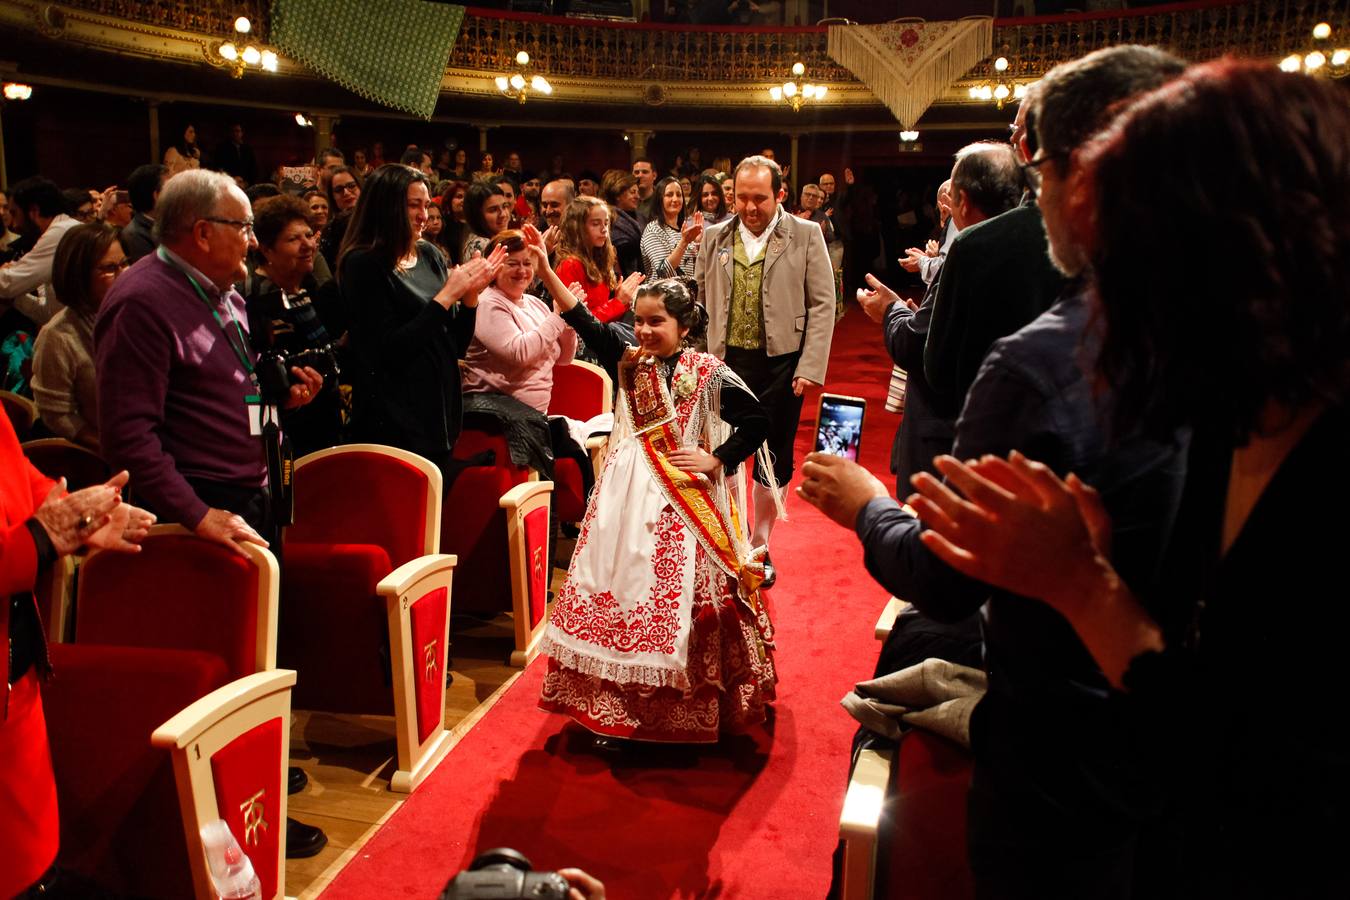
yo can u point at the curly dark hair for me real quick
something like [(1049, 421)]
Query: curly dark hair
[(677, 294), (271, 216), (1243, 173)]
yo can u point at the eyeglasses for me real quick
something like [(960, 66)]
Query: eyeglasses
[(111, 268), (245, 225), (1031, 170), (347, 188)]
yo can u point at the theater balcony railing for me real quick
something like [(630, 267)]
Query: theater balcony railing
[(631, 64)]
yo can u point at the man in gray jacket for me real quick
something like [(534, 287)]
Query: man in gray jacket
[(766, 280)]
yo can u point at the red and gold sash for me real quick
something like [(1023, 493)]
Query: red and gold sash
[(656, 425)]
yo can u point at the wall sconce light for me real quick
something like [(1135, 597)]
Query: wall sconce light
[(15, 91)]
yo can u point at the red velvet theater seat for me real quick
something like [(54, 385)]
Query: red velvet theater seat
[(365, 513), (120, 820), (229, 754), (60, 458), (582, 391), (904, 822), (182, 592), (503, 565)]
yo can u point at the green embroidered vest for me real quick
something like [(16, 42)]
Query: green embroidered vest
[(746, 326)]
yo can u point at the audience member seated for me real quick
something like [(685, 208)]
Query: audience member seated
[(518, 338), (456, 230), (411, 319), (37, 212), (283, 227), (620, 190), (1240, 338), (87, 261), (670, 240), (554, 198), (585, 256), (318, 209), (487, 211)]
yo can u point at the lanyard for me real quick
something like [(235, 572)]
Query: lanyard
[(243, 338)]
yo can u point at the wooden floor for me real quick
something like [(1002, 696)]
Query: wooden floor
[(350, 759)]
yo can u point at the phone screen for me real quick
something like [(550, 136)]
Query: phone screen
[(839, 426)]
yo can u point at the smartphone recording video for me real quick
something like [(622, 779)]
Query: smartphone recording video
[(839, 425)]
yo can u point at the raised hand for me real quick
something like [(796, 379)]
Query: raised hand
[(876, 301), (627, 290), (848, 176), (693, 228), (910, 261)]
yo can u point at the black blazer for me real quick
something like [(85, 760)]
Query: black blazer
[(997, 278), (405, 387)]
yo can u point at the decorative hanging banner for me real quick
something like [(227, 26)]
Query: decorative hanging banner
[(393, 52), (908, 65)]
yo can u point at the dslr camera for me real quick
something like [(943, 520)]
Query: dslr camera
[(287, 332), (504, 874)]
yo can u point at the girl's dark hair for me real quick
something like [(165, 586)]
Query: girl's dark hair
[(677, 294), (379, 223), (1253, 168), (659, 192), (272, 215), (717, 188), (78, 251), (479, 193)]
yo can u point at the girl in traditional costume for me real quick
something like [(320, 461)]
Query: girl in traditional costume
[(660, 632)]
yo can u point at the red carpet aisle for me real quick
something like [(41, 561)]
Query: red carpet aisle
[(753, 817)]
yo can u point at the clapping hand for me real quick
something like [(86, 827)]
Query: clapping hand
[(876, 301), (910, 261), (627, 290), (536, 243), (95, 516), (932, 249), (552, 235), (465, 281)]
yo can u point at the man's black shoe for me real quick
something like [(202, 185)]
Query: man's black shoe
[(303, 841), (296, 779), (770, 573)]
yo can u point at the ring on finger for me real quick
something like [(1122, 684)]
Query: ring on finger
[(86, 521)]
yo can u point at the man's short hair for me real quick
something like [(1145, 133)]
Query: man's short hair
[(143, 184), (187, 198), (642, 159), (40, 192), (566, 184), (412, 158), (1074, 99), (755, 162), (988, 174), (332, 152)]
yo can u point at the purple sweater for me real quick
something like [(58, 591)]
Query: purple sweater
[(171, 390)]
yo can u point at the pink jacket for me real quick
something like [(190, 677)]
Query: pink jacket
[(514, 349)]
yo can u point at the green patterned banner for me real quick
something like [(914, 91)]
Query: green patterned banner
[(393, 52)]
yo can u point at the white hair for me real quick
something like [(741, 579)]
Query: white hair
[(186, 199)]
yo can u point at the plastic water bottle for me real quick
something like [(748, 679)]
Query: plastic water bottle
[(231, 870)]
